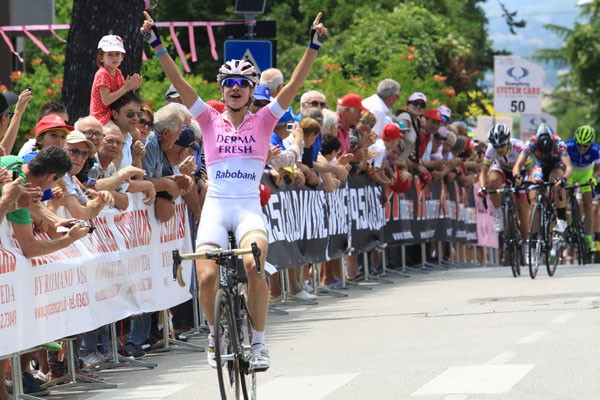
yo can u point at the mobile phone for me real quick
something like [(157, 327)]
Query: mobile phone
[(29, 88), (290, 126), (15, 175)]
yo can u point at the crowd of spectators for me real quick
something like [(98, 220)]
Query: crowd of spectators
[(125, 146)]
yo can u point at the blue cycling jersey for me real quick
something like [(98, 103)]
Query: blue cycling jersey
[(586, 160)]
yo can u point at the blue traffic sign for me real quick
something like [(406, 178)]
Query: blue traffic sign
[(259, 52)]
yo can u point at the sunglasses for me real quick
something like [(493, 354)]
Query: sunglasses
[(131, 114), (259, 104), (498, 146), (418, 104), (231, 82), (90, 133), (112, 142), (316, 103), (9, 114), (78, 153), (583, 146), (146, 123)]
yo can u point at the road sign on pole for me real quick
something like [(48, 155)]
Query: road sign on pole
[(517, 85), (259, 52)]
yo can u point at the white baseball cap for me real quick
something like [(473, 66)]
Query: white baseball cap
[(111, 43)]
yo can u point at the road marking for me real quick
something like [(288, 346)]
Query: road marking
[(456, 397), (534, 337), (481, 379), (561, 319), (586, 301), (501, 358), (145, 392), (303, 387)]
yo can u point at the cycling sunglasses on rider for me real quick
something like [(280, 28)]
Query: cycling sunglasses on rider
[(231, 82)]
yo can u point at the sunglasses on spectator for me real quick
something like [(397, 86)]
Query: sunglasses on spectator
[(78, 153), (9, 113), (316, 103), (112, 142), (90, 133), (131, 114), (259, 103), (231, 82), (143, 121), (418, 104)]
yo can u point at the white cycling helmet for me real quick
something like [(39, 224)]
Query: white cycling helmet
[(499, 135), (238, 69)]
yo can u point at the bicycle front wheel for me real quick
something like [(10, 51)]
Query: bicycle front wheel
[(578, 233), (513, 244), (228, 369), (536, 240), (247, 375), (555, 253)]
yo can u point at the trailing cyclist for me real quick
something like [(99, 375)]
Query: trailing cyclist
[(551, 164), (585, 158), (498, 162)]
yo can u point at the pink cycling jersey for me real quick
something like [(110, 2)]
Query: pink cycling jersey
[(235, 158)]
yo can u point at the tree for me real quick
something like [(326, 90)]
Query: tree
[(90, 21), (577, 99)]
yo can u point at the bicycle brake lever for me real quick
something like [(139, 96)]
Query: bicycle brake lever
[(259, 267)]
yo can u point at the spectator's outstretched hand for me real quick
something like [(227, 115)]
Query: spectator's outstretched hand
[(24, 98), (13, 190), (78, 231), (30, 196), (188, 165), (184, 183), (5, 176)]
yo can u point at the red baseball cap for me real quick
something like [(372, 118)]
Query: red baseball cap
[(391, 132), (352, 100), (217, 105), (401, 186), (433, 113), (265, 194), (51, 121)]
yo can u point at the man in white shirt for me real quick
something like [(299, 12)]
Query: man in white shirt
[(380, 104)]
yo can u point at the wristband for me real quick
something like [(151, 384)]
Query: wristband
[(160, 53)]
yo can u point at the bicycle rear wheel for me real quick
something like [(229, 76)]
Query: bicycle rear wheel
[(248, 376), (514, 243), (536, 240), (228, 369)]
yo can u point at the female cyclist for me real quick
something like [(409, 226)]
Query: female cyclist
[(236, 144)]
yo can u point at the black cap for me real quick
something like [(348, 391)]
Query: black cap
[(7, 99)]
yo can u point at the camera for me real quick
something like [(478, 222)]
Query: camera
[(81, 223), (290, 126)]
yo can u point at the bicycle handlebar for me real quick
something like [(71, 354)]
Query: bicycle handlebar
[(216, 255)]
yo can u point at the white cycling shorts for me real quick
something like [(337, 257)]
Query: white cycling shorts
[(242, 216)]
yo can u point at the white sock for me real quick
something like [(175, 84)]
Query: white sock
[(499, 212), (212, 330), (258, 337)]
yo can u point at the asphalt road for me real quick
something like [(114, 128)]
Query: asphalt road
[(474, 333)]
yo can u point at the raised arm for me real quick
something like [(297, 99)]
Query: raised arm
[(150, 33), (318, 33)]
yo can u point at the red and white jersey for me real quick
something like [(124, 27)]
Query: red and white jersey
[(507, 161)]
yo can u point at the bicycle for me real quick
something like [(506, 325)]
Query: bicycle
[(575, 234), (237, 379), (511, 235), (542, 243)]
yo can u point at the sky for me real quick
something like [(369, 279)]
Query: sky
[(534, 36)]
